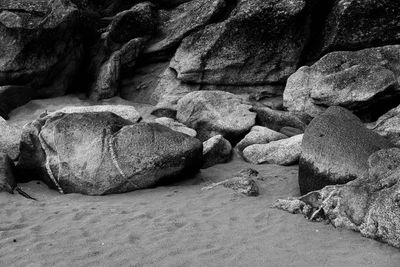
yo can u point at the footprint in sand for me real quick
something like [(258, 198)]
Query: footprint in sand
[(133, 238), (80, 215)]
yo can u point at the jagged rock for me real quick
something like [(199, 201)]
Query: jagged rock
[(364, 81), (124, 111), (139, 21), (40, 45), (13, 96), (102, 153), (388, 126), (277, 119), (216, 150), (259, 135), (243, 183), (177, 23), (354, 24), (9, 139), (176, 126), (7, 179), (335, 150), (369, 204), (258, 35), (108, 77), (281, 152), (214, 112)]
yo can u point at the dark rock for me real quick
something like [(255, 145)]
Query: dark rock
[(212, 113), (335, 150), (7, 179), (364, 81), (258, 35), (354, 24), (291, 131), (102, 153), (13, 96), (177, 23), (216, 150), (276, 119), (40, 44), (281, 152), (369, 204)]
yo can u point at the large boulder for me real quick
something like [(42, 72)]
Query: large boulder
[(101, 153), (355, 24), (260, 43), (364, 81), (176, 126), (177, 23), (281, 152), (215, 112), (40, 45), (259, 135), (370, 204), (335, 150)]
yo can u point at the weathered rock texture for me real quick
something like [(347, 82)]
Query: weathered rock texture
[(388, 126), (176, 126), (365, 81), (214, 112), (216, 150), (370, 204), (7, 179), (260, 43), (282, 152), (102, 153), (335, 150)]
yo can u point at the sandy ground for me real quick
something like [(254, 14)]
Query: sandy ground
[(177, 225)]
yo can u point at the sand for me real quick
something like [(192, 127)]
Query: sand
[(176, 225)]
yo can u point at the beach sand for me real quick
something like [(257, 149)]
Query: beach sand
[(176, 225)]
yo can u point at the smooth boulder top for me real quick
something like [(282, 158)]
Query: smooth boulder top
[(216, 112), (335, 150), (101, 153)]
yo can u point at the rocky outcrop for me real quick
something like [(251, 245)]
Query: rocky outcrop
[(216, 150), (364, 81), (102, 153), (212, 113), (176, 126), (259, 135), (258, 35), (369, 204), (281, 152), (352, 24), (40, 45), (177, 23), (335, 150)]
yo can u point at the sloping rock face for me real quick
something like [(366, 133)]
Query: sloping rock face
[(213, 113), (102, 153), (355, 24), (369, 204), (176, 126), (177, 23), (335, 150), (282, 152), (40, 45), (9, 139), (258, 35), (360, 81)]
